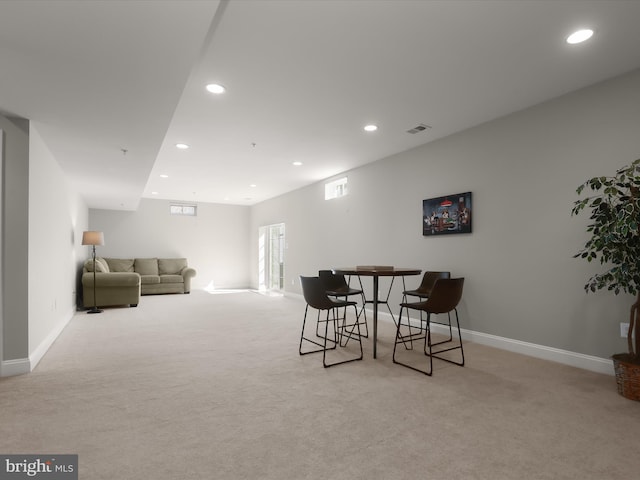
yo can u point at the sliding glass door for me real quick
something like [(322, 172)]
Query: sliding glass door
[(271, 246)]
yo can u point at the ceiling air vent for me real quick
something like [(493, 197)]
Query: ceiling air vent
[(419, 128)]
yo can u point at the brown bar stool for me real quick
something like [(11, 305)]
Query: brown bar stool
[(317, 298), (444, 298), (336, 286), (426, 285), (424, 290)]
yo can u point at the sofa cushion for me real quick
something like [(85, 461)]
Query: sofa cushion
[(101, 265), (146, 266), (120, 264), (171, 279), (149, 279), (171, 266)]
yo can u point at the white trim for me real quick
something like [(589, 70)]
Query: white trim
[(16, 367), (566, 357), (20, 366), (44, 346)]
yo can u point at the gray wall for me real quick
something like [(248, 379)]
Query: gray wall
[(15, 231), (521, 280), (215, 242), (43, 219)]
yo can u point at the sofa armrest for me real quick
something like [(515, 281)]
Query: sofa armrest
[(187, 273), (111, 279)]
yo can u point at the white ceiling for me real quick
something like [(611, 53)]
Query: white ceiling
[(112, 86)]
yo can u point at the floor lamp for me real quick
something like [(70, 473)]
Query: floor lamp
[(93, 239)]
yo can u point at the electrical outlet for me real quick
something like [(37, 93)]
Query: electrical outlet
[(624, 329)]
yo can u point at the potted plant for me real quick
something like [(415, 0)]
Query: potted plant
[(614, 203)]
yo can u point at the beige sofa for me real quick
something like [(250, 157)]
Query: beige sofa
[(121, 281)]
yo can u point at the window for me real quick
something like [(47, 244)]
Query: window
[(190, 210), (336, 188)]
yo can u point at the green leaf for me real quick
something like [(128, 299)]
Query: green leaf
[(614, 229)]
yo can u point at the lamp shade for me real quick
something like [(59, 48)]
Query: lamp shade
[(92, 238)]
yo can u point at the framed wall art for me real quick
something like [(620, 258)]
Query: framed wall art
[(447, 215)]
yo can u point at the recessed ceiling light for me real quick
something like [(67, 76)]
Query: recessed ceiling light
[(164, 176), (154, 193), (580, 36), (182, 146), (370, 128), (253, 185), (215, 88), (297, 164)]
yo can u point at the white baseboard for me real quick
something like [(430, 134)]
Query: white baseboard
[(566, 357), (19, 366), (44, 346)]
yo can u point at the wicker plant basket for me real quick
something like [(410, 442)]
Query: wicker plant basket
[(627, 376)]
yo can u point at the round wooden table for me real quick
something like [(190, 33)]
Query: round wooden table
[(376, 272)]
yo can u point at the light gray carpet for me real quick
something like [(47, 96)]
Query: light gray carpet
[(212, 386)]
